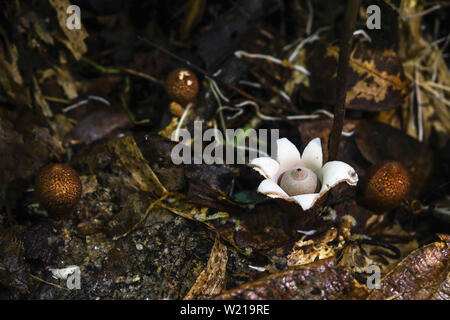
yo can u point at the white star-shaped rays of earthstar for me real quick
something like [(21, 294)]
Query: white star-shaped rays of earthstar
[(288, 160)]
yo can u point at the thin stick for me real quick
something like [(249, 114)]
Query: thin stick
[(147, 212), (46, 282), (341, 92), (110, 70), (434, 8), (419, 105)]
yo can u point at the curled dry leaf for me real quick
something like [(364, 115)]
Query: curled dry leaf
[(424, 274), (97, 125), (211, 281), (10, 78), (130, 159), (321, 280)]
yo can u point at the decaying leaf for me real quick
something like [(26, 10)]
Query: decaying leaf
[(66, 81), (22, 153), (321, 280), (11, 79), (14, 272), (12, 67), (207, 182), (424, 274), (375, 79), (126, 161), (131, 160), (359, 255), (96, 125), (129, 177), (318, 248), (75, 38), (41, 31), (52, 142), (211, 281), (41, 102)]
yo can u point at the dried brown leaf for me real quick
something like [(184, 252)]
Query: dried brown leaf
[(321, 280), (211, 281), (67, 82), (41, 102), (10, 78), (375, 79), (75, 38), (96, 125), (424, 274), (318, 248), (130, 158)]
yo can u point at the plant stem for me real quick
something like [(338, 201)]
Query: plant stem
[(341, 89)]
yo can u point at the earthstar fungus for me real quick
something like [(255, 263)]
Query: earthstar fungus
[(284, 179)]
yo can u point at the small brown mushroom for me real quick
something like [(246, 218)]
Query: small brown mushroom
[(182, 86), (58, 189), (297, 181), (386, 185)]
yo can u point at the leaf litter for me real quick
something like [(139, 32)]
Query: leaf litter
[(146, 228)]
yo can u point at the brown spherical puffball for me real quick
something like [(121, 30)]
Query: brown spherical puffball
[(182, 85), (58, 189), (386, 185)]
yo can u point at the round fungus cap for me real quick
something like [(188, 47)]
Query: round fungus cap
[(58, 189), (182, 85), (387, 184)]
